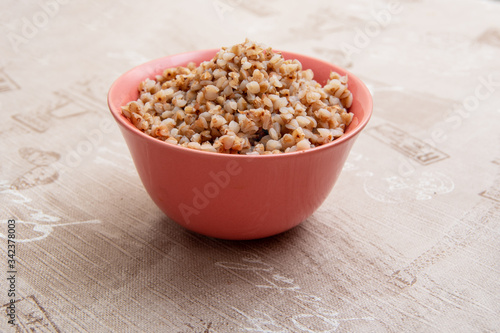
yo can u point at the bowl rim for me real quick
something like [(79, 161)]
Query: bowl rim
[(125, 123)]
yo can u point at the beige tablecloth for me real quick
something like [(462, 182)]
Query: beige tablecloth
[(408, 240)]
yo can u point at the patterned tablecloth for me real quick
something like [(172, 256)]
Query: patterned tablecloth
[(408, 240)]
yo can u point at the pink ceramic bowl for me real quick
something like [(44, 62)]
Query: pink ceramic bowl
[(236, 196)]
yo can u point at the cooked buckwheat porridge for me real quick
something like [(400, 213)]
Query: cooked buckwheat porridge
[(246, 100)]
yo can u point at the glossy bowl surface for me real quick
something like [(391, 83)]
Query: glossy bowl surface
[(236, 196)]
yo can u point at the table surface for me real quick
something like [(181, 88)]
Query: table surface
[(408, 240)]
